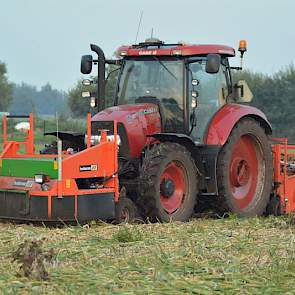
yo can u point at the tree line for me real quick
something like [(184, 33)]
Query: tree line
[(273, 94), (24, 98)]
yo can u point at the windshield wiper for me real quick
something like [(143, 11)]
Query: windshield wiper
[(163, 65)]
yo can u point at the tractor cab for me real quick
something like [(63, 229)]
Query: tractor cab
[(187, 93), (188, 83)]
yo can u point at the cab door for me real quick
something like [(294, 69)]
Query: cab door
[(207, 93)]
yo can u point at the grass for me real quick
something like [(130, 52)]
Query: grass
[(204, 256)]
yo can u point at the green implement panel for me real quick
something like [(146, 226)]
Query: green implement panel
[(28, 167)]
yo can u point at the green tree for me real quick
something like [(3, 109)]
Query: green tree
[(46, 101), (275, 96), (78, 105), (5, 89), (81, 106)]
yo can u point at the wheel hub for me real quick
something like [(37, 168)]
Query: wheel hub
[(240, 172), (167, 187), (173, 187), (244, 170)]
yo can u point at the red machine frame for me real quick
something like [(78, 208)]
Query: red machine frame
[(284, 182)]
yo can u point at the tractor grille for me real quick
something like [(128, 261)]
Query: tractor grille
[(96, 125), (109, 125)]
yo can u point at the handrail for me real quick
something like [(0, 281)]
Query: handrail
[(29, 141), (18, 116)]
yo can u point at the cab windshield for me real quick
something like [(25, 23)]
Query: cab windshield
[(160, 79)]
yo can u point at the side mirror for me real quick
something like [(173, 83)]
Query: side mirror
[(213, 63), (242, 92), (86, 64)]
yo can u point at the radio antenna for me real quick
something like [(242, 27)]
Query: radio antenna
[(139, 24), (57, 127), (56, 119)]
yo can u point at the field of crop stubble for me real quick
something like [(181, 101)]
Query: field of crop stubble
[(203, 256)]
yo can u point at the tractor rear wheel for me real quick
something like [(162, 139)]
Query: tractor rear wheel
[(168, 183), (244, 170)]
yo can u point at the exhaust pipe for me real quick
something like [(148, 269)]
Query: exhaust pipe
[(100, 76)]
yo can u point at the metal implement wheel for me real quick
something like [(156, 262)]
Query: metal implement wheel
[(126, 211), (168, 183), (245, 170)]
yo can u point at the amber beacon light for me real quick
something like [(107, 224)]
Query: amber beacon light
[(242, 49), (243, 46)]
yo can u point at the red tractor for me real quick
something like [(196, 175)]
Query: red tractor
[(183, 136), (175, 139)]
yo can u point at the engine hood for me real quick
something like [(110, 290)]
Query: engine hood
[(123, 113), (139, 121)]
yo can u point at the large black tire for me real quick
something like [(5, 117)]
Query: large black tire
[(244, 170), (167, 183)]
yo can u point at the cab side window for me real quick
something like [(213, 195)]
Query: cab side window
[(212, 92)]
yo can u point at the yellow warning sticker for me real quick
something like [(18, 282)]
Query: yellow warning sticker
[(68, 183)]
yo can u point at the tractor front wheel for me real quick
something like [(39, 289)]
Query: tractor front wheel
[(244, 170), (168, 183)]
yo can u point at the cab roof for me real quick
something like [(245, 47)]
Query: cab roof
[(159, 48)]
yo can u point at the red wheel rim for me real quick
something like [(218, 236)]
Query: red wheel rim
[(174, 173), (245, 170)]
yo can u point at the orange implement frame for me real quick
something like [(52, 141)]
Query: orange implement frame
[(94, 162), (284, 178), (12, 147)]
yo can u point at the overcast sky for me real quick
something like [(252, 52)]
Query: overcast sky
[(42, 40)]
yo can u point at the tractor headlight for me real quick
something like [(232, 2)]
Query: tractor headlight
[(93, 102), (41, 178), (86, 94)]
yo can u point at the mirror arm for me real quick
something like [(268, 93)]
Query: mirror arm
[(114, 61), (236, 68), (193, 60)]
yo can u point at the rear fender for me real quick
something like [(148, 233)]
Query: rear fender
[(227, 117)]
